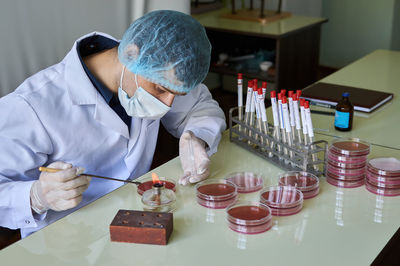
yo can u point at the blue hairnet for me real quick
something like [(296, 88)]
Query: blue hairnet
[(168, 48)]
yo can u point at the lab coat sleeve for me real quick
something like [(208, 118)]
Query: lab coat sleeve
[(24, 145), (199, 113)]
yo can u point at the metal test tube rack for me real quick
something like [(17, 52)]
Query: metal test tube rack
[(302, 159)]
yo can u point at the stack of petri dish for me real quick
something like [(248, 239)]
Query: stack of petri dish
[(346, 163), (249, 217), (216, 193), (282, 200), (306, 182), (383, 176), (246, 182)]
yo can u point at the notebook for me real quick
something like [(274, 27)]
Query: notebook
[(328, 95)]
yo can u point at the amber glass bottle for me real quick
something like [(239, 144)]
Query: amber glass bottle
[(344, 113)]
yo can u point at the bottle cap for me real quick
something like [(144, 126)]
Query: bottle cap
[(302, 102), (346, 94), (294, 97), (240, 76), (280, 96), (290, 93), (306, 104), (273, 94), (259, 91), (298, 92), (264, 84), (255, 85), (284, 100), (250, 84), (283, 92)]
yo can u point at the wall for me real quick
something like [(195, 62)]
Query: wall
[(37, 34), (356, 28)]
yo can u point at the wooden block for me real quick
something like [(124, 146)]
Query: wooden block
[(141, 227)]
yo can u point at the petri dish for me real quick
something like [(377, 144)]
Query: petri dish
[(310, 193), (383, 184), (345, 184), (281, 197), (216, 193), (248, 213), (286, 212), (246, 182), (303, 181), (345, 177), (385, 166), (347, 159), (345, 172), (383, 179), (148, 184), (346, 165), (250, 229), (382, 191), (350, 146)]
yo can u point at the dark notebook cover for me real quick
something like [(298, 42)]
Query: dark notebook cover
[(330, 94)]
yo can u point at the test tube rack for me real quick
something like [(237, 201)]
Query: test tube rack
[(302, 154)]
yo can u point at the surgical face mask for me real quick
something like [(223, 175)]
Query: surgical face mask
[(142, 104)]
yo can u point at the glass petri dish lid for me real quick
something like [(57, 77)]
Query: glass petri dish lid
[(246, 182), (350, 146), (384, 166), (281, 197), (303, 181), (251, 229), (148, 184), (248, 213), (216, 190)]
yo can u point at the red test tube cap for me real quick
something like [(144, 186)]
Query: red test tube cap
[(250, 84), (284, 99), (259, 91), (240, 76), (255, 85), (273, 94), (294, 97), (290, 93), (283, 92), (264, 84), (306, 104), (298, 93), (279, 96), (302, 102)]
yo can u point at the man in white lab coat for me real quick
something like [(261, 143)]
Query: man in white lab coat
[(100, 108)]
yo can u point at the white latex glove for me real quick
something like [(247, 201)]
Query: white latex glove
[(194, 159), (58, 191)]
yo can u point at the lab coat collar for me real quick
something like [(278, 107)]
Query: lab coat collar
[(82, 92)]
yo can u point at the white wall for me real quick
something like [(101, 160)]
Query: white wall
[(38, 33)]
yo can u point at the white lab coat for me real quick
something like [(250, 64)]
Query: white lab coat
[(57, 115)]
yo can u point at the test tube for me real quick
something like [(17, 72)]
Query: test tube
[(248, 103), (264, 89), (240, 98), (297, 117), (310, 129), (303, 121), (258, 94), (288, 128), (291, 110), (252, 106), (282, 122), (275, 115)]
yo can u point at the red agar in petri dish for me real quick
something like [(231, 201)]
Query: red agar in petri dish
[(385, 166), (383, 179), (346, 172), (249, 217), (350, 147), (345, 184), (283, 197), (169, 184), (246, 182), (382, 191), (347, 159), (216, 193), (345, 177), (346, 165), (303, 181)]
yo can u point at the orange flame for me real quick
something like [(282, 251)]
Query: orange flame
[(155, 178)]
